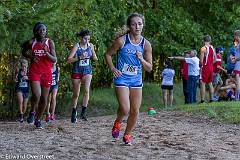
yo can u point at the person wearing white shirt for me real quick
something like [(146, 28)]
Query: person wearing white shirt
[(193, 74), (167, 84)]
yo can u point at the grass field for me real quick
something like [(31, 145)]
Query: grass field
[(103, 102)]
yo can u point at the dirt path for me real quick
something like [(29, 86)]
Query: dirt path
[(167, 135)]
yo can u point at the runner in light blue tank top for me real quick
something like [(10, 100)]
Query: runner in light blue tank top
[(134, 53), (129, 64)]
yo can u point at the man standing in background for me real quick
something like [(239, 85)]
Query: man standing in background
[(207, 58)]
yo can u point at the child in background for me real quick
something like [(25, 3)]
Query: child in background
[(167, 83), (22, 88), (50, 115), (228, 91)]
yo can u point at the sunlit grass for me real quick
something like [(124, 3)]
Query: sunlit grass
[(223, 111), (102, 101)]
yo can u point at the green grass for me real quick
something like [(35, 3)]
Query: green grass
[(103, 102), (228, 112)]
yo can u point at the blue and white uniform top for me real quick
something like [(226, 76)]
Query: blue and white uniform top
[(55, 77), (22, 84), (167, 76), (83, 66), (129, 64)]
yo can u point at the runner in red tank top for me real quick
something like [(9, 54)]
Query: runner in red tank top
[(42, 56), (207, 58)]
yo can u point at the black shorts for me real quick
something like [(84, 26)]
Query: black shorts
[(25, 94), (168, 87), (53, 87)]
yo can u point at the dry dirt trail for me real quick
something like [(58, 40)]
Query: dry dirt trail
[(167, 135)]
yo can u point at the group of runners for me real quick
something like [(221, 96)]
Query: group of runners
[(134, 53), (42, 75)]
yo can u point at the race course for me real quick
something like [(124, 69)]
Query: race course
[(167, 135)]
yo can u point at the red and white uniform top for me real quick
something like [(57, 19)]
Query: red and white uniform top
[(209, 56), (218, 62), (44, 65)]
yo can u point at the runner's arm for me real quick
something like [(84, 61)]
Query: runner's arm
[(202, 52), (117, 44), (51, 54), (71, 57), (94, 53), (147, 59), (26, 47), (177, 57)]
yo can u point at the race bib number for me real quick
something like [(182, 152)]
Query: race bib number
[(84, 62), (54, 82), (129, 69), (23, 84)]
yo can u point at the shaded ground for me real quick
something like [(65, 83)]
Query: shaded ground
[(167, 135)]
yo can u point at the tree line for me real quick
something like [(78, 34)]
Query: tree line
[(171, 26)]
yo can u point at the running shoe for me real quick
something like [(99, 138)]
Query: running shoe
[(38, 124), (47, 117), (83, 117), (21, 118), (31, 117), (83, 114), (116, 129), (74, 115), (127, 139), (52, 117)]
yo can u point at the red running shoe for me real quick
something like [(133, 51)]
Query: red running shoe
[(52, 117), (127, 139), (116, 129), (47, 117)]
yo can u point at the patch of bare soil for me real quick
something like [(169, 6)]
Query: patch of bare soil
[(167, 135)]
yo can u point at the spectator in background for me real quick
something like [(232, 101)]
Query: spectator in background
[(184, 73), (231, 60), (207, 58), (193, 74), (227, 92), (237, 62), (217, 69), (167, 83)]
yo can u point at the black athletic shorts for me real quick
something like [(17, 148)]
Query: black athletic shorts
[(168, 87)]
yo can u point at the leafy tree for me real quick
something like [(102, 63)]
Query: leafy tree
[(171, 26)]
